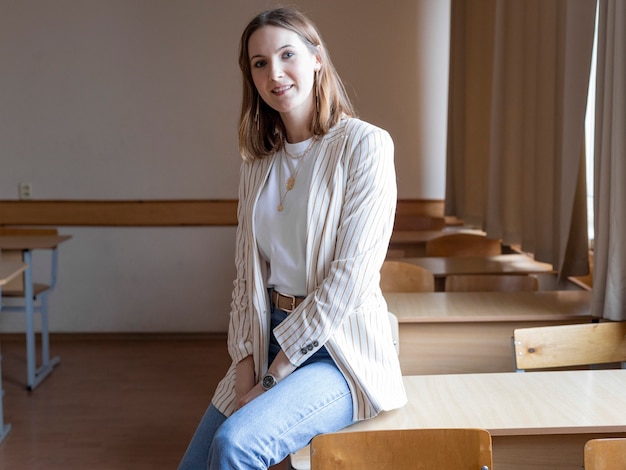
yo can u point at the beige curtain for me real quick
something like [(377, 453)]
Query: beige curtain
[(609, 272), (519, 73)]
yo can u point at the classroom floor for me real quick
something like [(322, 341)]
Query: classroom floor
[(111, 404)]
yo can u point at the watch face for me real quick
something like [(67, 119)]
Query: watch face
[(268, 382)]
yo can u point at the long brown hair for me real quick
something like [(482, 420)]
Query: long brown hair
[(261, 130)]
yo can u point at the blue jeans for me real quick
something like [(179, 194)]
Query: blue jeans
[(314, 399)]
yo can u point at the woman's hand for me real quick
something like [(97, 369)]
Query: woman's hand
[(245, 388), (251, 395)]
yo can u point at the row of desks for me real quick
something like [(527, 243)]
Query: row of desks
[(537, 420), (453, 332)]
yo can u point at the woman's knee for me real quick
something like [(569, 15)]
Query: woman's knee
[(227, 436), (233, 447)]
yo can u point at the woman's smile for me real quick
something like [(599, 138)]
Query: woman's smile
[(282, 90)]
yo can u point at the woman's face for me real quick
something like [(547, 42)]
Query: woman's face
[(282, 69)]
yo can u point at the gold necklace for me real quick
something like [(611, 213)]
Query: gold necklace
[(291, 181), (303, 154), (293, 172)]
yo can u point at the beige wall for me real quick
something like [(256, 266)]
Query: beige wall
[(138, 99)]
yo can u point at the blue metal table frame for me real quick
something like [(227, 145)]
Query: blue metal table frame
[(26, 244), (9, 271), (35, 375)]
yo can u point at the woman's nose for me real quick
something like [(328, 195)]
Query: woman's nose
[(276, 71)]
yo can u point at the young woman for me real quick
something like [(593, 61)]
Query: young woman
[(309, 334)]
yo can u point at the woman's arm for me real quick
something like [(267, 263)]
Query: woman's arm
[(240, 324)]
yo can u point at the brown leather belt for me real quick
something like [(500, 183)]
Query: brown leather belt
[(285, 302)]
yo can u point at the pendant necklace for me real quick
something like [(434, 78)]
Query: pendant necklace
[(293, 170)]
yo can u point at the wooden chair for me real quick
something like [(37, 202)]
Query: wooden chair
[(418, 222), (15, 291), (441, 449), (569, 345), (605, 454), (491, 282), (397, 276), (463, 244)]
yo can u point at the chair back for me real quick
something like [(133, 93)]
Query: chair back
[(491, 282), (569, 345), (441, 449), (463, 244), (605, 454), (398, 276), (418, 222)]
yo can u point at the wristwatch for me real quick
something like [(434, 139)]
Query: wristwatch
[(268, 381)]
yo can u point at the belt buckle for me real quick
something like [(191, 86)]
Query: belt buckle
[(293, 302)]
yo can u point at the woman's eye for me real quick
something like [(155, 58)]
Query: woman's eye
[(258, 64), (288, 55)]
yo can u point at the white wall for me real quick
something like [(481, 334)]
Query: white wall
[(139, 99)]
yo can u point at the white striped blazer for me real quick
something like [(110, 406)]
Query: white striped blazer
[(350, 214)]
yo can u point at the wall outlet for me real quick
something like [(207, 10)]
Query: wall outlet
[(25, 190)]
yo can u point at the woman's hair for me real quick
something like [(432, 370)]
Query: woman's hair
[(261, 130)]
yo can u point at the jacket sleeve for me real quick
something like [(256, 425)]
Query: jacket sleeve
[(349, 237), (240, 324)]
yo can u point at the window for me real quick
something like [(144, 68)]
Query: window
[(589, 133)]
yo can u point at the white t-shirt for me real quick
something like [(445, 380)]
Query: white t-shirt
[(281, 235)]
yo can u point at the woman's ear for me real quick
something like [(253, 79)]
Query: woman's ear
[(318, 59)]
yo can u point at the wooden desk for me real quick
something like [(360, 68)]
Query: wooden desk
[(469, 332), (501, 264), (8, 271), (26, 244), (537, 420), (31, 242), (413, 242)]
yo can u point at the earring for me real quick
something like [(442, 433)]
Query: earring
[(256, 116), (317, 90)]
